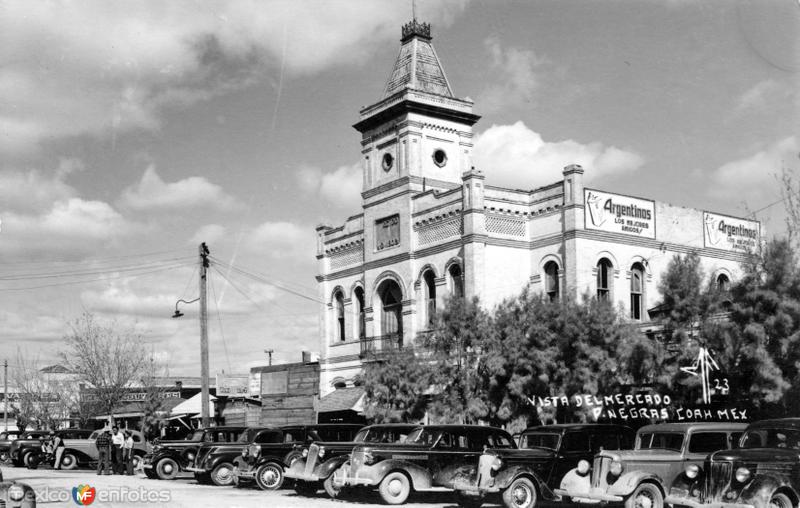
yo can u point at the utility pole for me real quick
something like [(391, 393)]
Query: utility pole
[(269, 352), (204, 336), (5, 394)]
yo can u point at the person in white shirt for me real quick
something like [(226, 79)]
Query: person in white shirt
[(127, 453), (117, 440)]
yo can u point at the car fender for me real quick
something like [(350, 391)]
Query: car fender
[(506, 476), (420, 476), (759, 491), (327, 468), (82, 456), (628, 482), (575, 482)]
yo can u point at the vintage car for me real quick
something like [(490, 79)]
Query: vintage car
[(213, 462), (14, 494), (320, 459), (5, 444), (431, 456), (545, 454), (29, 443), (170, 457), (83, 452), (266, 458), (641, 476), (763, 472)]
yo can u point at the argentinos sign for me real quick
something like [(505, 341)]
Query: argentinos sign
[(619, 214), (730, 233)]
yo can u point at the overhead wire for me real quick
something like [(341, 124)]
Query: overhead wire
[(257, 304), (109, 277), (93, 271), (219, 320), (91, 260), (264, 280), (297, 286)]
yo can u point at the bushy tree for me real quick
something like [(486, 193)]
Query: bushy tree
[(395, 387)]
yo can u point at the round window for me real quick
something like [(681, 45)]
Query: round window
[(388, 161), (439, 157)]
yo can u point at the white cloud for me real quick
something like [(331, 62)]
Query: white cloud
[(210, 233), (31, 190), (516, 156), (749, 176), (764, 93), (516, 77), (152, 193), (100, 68), (341, 188), (282, 240)]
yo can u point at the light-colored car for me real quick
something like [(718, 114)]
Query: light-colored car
[(83, 452), (640, 477)]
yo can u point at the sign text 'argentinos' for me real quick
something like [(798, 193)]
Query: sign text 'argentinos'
[(619, 214), (730, 233)]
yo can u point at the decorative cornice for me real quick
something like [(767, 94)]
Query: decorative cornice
[(415, 28)]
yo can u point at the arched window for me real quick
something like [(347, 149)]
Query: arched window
[(391, 309), (429, 294), (637, 291), (456, 281), (339, 299), (723, 283), (551, 280), (604, 274), (361, 331)]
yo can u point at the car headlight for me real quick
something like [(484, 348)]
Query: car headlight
[(305, 452), (190, 456), (692, 470), (16, 493), (321, 451), (742, 474), (583, 467), (368, 458), (497, 463), (615, 468)]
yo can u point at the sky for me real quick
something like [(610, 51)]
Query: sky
[(131, 131)]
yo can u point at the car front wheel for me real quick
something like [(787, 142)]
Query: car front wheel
[(68, 461), (395, 488), (167, 469), (520, 494), (646, 495), (780, 501), (269, 476), (222, 475)]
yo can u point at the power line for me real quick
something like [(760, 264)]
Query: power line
[(111, 277), (92, 260), (80, 273), (219, 320), (298, 286), (243, 293)]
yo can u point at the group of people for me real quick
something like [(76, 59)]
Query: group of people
[(115, 452)]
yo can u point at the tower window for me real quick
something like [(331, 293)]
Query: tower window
[(604, 271), (388, 161), (361, 331), (637, 291), (439, 157), (456, 281), (723, 283), (339, 298), (551, 280), (430, 297)]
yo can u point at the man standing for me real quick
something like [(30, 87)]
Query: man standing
[(58, 450), (103, 444), (127, 453), (117, 440)]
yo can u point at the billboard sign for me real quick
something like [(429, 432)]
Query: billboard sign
[(730, 233), (236, 385), (619, 214)]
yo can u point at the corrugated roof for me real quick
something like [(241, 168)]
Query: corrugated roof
[(341, 400)]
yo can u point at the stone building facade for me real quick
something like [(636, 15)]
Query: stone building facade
[(430, 226)]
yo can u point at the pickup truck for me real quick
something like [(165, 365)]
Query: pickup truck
[(170, 457), (22, 448), (83, 452)]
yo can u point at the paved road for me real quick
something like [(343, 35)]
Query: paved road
[(54, 489)]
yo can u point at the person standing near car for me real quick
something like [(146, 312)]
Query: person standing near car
[(58, 451), (103, 444), (127, 453), (117, 440)]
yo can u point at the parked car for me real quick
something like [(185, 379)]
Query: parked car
[(266, 458), (763, 472), (170, 457), (432, 456), (30, 443), (213, 462), (83, 452), (640, 477), (16, 494), (5, 444), (545, 454), (321, 459)]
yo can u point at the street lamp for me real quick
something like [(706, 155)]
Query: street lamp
[(179, 313)]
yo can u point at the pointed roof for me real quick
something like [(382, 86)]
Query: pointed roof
[(417, 65)]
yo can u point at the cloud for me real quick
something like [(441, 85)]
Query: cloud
[(516, 156), (25, 191), (764, 93), (210, 233), (745, 177), (517, 79), (283, 240), (103, 68), (152, 193), (341, 188)]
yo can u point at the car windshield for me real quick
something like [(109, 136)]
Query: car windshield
[(196, 436), (380, 435), (661, 441), (423, 436), (548, 440), (772, 438), (247, 436)]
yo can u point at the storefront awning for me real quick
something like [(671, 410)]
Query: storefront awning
[(192, 406), (343, 399)]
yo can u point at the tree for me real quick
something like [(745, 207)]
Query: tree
[(44, 401), (790, 191), (107, 359), (395, 387)]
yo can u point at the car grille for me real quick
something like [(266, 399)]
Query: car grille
[(600, 471), (718, 479), (311, 460), (485, 470)]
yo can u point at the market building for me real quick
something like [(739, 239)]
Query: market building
[(430, 226)]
